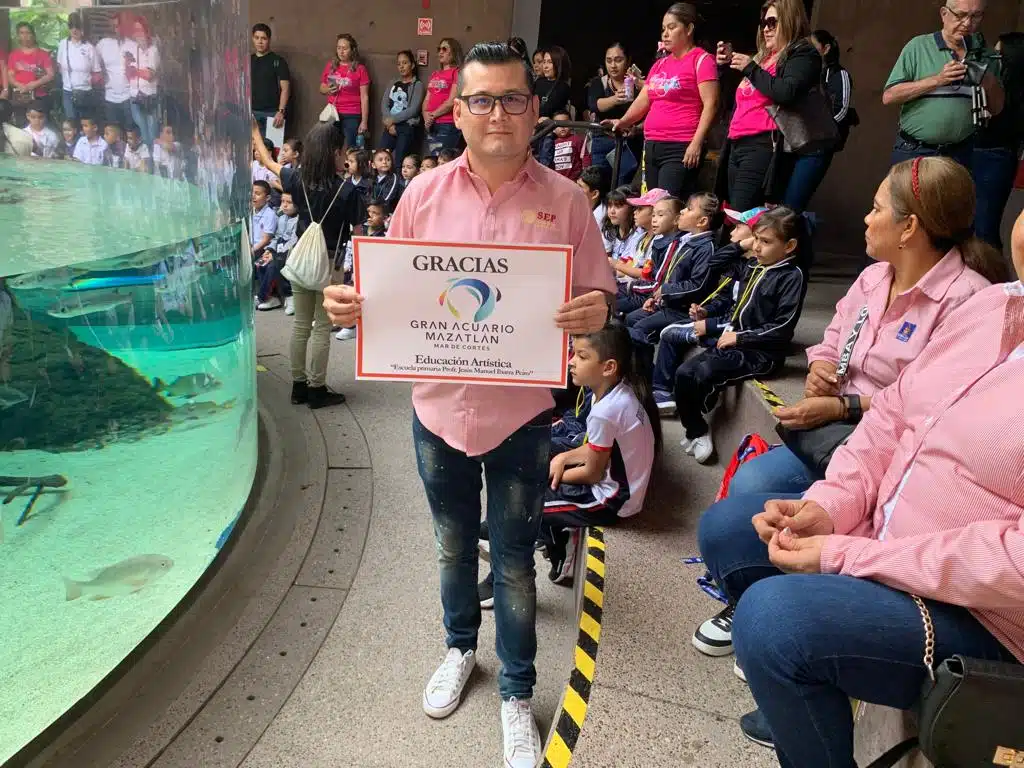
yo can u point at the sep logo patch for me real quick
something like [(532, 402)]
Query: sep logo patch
[(906, 331), (539, 218)]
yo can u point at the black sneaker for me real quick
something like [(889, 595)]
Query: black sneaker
[(755, 727), (321, 397), (714, 636), (300, 392), (485, 591), (485, 534)]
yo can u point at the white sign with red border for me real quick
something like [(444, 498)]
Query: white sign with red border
[(462, 312)]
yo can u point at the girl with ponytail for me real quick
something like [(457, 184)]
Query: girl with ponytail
[(606, 478)]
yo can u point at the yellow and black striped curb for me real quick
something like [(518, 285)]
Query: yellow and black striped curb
[(773, 400), (570, 719)]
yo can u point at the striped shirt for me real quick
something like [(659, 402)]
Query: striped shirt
[(944, 443)]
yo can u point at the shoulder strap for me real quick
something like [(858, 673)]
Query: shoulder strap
[(308, 208), (851, 342)]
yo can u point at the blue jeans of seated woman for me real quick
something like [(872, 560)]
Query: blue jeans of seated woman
[(809, 643), (442, 136), (517, 474), (349, 125), (779, 471), (400, 144)]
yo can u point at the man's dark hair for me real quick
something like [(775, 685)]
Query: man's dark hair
[(495, 53), (378, 203), (261, 27), (36, 106), (261, 184), (447, 155), (597, 179)]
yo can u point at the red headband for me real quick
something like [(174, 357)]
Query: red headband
[(915, 178)]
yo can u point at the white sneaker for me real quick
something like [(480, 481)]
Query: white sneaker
[(687, 446), (289, 305), (667, 408), (345, 334), (272, 303), (444, 690), (703, 448), (522, 739), (714, 636)]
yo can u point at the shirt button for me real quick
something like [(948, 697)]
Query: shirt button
[(928, 421)]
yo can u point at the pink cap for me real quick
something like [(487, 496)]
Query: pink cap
[(653, 196), (750, 218)]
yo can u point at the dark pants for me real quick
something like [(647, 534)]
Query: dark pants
[(809, 643), (602, 150), (675, 342), (907, 149), (349, 125), (645, 330), (699, 380), (750, 160), (400, 144), (262, 116), (994, 170), (87, 106), (119, 113), (517, 474), (664, 169), (443, 136), (272, 282), (627, 303), (545, 150), (572, 506), (808, 173)]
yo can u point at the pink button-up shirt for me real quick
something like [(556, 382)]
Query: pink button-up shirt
[(891, 338), (948, 435), (453, 204)]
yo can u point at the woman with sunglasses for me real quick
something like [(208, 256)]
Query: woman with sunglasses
[(437, 107), (753, 169)]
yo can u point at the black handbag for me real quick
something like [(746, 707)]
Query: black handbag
[(814, 447), (969, 713), (808, 127)]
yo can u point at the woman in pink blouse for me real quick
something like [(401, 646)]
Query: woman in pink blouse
[(679, 100), (346, 84), (908, 294), (924, 500), (437, 106)]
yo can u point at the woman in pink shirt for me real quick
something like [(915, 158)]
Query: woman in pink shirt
[(346, 83), (30, 71), (437, 106), (680, 101), (924, 500), (753, 169), (908, 294)]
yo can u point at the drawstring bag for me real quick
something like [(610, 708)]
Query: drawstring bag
[(308, 265), (329, 114)]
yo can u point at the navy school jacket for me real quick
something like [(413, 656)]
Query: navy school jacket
[(662, 250)]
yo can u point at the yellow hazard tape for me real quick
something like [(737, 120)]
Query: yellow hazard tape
[(769, 396), (569, 721)]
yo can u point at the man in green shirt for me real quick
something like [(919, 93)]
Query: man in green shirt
[(938, 110)]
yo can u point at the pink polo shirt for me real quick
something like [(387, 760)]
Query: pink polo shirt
[(892, 338), (751, 115), (453, 204), (926, 496)]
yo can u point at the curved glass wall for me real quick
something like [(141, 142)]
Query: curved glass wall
[(127, 365)]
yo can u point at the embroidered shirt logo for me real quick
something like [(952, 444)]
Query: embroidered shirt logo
[(539, 218), (906, 331)]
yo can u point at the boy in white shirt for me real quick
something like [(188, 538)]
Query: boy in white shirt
[(44, 139), (115, 155), (136, 154), (168, 158), (91, 149)]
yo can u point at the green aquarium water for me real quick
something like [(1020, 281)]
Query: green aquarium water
[(128, 436)]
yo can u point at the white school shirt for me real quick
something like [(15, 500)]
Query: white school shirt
[(77, 63), (46, 142), (169, 164), (110, 52), (135, 159), (145, 58), (619, 423), (90, 153)]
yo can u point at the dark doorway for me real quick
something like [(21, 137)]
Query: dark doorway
[(586, 29)]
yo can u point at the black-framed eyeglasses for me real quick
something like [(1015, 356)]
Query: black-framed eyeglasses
[(770, 23), (483, 103), (962, 16)]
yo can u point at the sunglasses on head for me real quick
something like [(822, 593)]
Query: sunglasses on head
[(770, 23)]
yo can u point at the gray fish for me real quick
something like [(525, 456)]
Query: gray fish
[(189, 386), (123, 578)]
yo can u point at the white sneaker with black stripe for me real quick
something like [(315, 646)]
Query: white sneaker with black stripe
[(714, 636)]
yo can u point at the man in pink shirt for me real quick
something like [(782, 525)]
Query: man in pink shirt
[(925, 499), (494, 193)]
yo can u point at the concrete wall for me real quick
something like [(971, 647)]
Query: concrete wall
[(305, 33), (872, 33)]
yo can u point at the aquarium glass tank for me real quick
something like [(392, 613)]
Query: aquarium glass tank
[(128, 436)]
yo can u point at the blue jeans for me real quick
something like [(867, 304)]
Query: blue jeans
[(778, 471), (146, 121), (349, 125), (400, 144), (809, 643), (994, 170), (602, 150), (262, 117), (443, 136), (73, 113), (119, 113), (546, 151), (908, 150), (517, 474), (808, 173)]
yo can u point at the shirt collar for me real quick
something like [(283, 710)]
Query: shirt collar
[(970, 42), (936, 281), (531, 168)]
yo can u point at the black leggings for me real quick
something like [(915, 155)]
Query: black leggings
[(664, 169), (750, 159)]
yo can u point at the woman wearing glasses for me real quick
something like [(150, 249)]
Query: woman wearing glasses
[(437, 107), (753, 169)]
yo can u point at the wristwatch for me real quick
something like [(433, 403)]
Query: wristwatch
[(854, 409)]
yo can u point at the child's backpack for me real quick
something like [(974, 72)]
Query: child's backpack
[(751, 447), (308, 264)]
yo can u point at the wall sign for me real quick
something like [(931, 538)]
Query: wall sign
[(422, 57), (424, 26)]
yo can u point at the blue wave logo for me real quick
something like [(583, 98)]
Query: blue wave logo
[(485, 297)]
